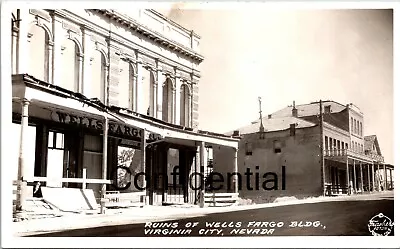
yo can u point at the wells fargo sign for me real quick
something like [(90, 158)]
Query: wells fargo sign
[(91, 123)]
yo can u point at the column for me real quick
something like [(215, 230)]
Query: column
[(87, 68), (140, 108), (57, 51), (49, 65), (23, 45), (202, 190), (373, 177), (378, 175), (391, 179), (173, 104), (347, 176), (21, 182), (143, 160), (190, 121), (177, 112), (337, 180), (80, 73), (362, 178), (104, 165), (354, 176), (159, 99), (153, 112), (235, 166), (369, 178), (385, 177)]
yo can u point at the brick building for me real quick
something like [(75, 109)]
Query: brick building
[(97, 94), (286, 147)]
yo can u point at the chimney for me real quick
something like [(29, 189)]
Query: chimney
[(294, 110), (269, 116), (236, 133)]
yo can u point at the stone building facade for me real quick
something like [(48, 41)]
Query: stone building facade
[(99, 91)]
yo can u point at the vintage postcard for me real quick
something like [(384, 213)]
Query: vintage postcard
[(198, 124)]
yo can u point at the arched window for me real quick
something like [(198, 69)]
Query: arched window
[(98, 68), (127, 86), (167, 112), (185, 105), (38, 53), (147, 93), (70, 65)]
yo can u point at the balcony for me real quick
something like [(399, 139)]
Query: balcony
[(341, 154)]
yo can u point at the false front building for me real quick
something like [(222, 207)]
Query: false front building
[(108, 100), (310, 150)]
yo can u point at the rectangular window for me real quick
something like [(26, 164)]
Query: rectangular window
[(358, 128), (56, 140), (352, 125), (330, 143), (361, 131), (249, 149), (277, 146), (326, 143)]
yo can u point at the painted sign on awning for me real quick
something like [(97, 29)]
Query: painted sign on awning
[(114, 128)]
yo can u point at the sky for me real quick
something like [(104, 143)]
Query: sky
[(286, 55)]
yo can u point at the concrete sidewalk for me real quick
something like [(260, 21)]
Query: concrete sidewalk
[(155, 213)]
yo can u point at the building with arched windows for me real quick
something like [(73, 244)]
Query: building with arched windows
[(108, 100)]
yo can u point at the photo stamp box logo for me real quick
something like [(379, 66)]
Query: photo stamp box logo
[(380, 225)]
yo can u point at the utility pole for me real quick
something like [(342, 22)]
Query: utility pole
[(261, 122), (321, 123)]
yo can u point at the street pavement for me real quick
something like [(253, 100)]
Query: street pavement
[(329, 216)]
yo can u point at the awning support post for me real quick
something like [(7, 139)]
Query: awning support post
[(21, 182), (104, 171)]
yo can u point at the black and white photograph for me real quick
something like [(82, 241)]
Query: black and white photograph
[(199, 124)]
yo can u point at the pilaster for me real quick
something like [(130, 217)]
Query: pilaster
[(23, 49)]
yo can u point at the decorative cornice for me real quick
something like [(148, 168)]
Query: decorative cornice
[(152, 35), (39, 13)]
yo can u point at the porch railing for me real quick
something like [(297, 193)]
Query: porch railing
[(349, 152)]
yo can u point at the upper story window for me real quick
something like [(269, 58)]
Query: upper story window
[(71, 65), (361, 129), (168, 102), (127, 86), (146, 104), (352, 125), (185, 106), (39, 53), (358, 127), (277, 146), (98, 73), (326, 143), (249, 148)]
